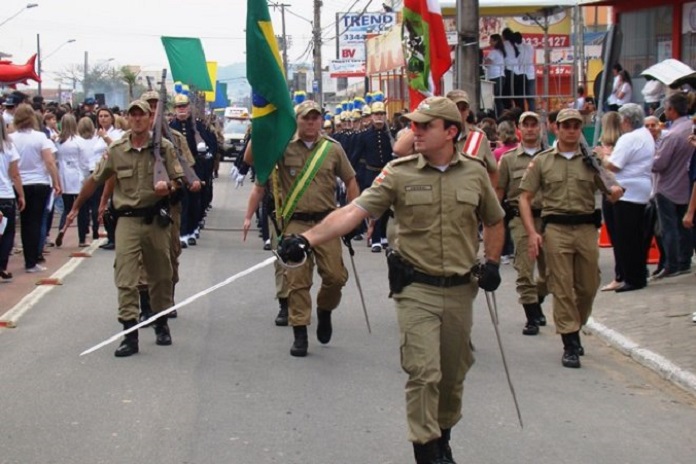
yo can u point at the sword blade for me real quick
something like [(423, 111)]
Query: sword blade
[(493, 310), (360, 291), (187, 301)]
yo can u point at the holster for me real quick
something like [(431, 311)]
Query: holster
[(110, 217), (400, 273), (161, 212)]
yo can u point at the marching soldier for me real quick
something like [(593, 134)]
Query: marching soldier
[(143, 222), (471, 141), (439, 196), (512, 167), (310, 164), (375, 148), (567, 178)]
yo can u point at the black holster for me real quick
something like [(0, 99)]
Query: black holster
[(400, 273), (110, 217), (161, 213)]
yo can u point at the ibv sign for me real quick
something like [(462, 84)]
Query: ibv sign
[(352, 30)]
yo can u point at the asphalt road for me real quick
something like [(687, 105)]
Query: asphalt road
[(228, 391)]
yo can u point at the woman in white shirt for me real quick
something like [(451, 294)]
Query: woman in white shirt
[(495, 70), (9, 178), (623, 93), (653, 91), (107, 133), (73, 162), (511, 60), (37, 169), (88, 137)]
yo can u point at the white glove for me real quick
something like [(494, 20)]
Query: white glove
[(234, 172), (239, 180), (202, 148)]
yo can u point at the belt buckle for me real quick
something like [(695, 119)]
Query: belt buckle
[(442, 281)]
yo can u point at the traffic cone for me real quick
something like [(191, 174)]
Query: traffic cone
[(653, 252), (604, 241)]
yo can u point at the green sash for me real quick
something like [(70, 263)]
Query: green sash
[(298, 188)]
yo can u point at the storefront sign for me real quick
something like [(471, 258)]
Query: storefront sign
[(347, 68), (352, 30)]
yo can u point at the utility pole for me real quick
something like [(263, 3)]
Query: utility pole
[(317, 84), (84, 79), (467, 51), (285, 37), (38, 59)]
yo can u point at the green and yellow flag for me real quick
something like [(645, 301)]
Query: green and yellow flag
[(273, 116)]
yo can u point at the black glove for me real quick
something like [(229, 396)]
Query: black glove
[(488, 276), (348, 237), (293, 248)]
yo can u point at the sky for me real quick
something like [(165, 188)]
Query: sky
[(129, 31)]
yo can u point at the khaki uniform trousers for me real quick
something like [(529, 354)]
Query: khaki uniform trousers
[(435, 329), (572, 273), (280, 279), (174, 250), (135, 239), (528, 289), (334, 275)]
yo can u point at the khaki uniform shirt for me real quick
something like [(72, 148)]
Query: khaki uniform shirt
[(134, 171), (437, 212), (321, 194), (484, 151), (568, 186), (512, 167)]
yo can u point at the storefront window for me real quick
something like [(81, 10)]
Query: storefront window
[(688, 53), (647, 38)]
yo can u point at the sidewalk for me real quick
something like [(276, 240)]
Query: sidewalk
[(653, 326)]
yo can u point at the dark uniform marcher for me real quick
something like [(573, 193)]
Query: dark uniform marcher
[(570, 222), (374, 145), (309, 149), (141, 230), (438, 197), (513, 165)]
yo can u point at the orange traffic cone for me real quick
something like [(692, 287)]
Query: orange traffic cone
[(604, 241), (653, 252)]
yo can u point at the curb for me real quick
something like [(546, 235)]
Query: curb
[(653, 361), (11, 318)]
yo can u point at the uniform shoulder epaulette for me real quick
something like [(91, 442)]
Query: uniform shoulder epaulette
[(403, 159), (330, 139), (548, 150), (125, 138), (473, 158)]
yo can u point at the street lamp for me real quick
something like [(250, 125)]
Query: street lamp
[(26, 7), (42, 59)]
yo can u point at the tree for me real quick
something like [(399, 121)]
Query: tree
[(129, 75)]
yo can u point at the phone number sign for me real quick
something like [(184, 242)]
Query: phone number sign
[(352, 30), (555, 40)]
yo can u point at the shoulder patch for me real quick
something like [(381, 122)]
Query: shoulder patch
[(403, 159)]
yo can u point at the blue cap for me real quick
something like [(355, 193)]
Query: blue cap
[(90, 101)]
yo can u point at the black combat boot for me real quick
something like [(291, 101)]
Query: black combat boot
[(145, 308), (163, 337), (324, 329), (428, 453), (571, 343), (129, 345), (532, 311), (299, 346), (581, 350), (444, 449), (541, 320), (281, 319)]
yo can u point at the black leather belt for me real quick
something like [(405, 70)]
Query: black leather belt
[(441, 281), (309, 217), (374, 168), (535, 212), (134, 212)]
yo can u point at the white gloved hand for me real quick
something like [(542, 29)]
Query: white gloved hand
[(239, 180), (202, 148), (234, 172)]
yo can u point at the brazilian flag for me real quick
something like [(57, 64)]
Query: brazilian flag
[(273, 116)]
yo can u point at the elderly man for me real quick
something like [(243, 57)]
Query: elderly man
[(672, 187), (631, 162)]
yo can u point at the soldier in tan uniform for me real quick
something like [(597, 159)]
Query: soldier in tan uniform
[(513, 165), (317, 201), (471, 139), (570, 222), (438, 196), (141, 230)]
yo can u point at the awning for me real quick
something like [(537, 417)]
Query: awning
[(672, 72)]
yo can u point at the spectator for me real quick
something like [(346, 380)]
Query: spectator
[(88, 139), (527, 72), (623, 93), (495, 70), (507, 135), (672, 187), (653, 91), (73, 163), (579, 103), (37, 169), (611, 131), (631, 161), (512, 54), (9, 178)]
